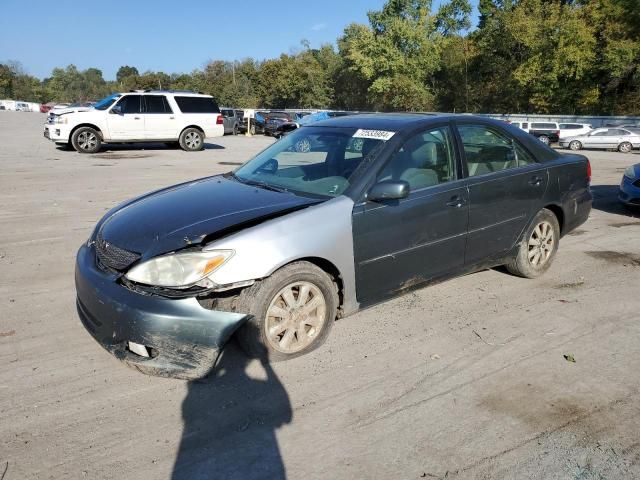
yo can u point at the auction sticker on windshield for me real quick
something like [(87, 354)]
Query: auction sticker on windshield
[(377, 134)]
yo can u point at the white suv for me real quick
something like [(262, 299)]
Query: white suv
[(139, 116)]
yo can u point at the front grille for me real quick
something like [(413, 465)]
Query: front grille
[(113, 257)]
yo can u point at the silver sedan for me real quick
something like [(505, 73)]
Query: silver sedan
[(620, 139)]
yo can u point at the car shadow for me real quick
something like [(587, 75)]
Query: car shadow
[(605, 199), (230, 423), (121, 147)]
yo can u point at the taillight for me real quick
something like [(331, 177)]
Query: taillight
[(220, 120), (588, 171)]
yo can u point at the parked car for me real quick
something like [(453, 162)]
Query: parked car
[(22, 107), (155, 115), (231, 122), (573, 129), (273, 252), (274, 120), (521, 125), (546, 132), (630, 186), (619, 139)]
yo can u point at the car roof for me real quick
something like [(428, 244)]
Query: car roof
[(394, 122)]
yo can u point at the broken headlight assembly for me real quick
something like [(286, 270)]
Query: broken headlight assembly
[(180, 270)]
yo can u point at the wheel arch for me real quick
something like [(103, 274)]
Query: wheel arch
[(90, 125), (329, 268), (197, 127), (559, 213)]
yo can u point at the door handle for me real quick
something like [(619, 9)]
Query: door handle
[(535, 181), (172, 118), (456, 202), (136, 118)]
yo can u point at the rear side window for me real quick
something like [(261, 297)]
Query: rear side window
[(488, 150), (544, 126), (130, 104), (157, 104), (197, 105), (570, 126)]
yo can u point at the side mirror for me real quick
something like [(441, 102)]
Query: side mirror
[(389, 190), (116, 110)]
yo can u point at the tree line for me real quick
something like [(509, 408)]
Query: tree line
[(526, 56)]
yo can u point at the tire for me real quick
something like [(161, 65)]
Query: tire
[(575, 145), (191, 140), (235, 129), (625, 147), (253, 130), (538, 246), (86, 140), (544, 139), (268, 295)]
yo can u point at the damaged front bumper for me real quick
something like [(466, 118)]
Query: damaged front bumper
[(183, 338)]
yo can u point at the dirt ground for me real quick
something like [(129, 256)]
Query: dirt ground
[(465, 379)]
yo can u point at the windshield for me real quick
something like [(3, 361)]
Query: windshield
[(106, 102), (316, 161)]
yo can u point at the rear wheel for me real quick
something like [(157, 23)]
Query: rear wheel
[(625, 147), (538, 247), (575, 145), (86, 140), (235, 129), (191, 140), (544, 139), (292, 312)]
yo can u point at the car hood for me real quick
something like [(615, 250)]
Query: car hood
[(193, 213), (63, 111)]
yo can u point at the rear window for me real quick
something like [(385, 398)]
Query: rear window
[(544, 126), (197, 105)]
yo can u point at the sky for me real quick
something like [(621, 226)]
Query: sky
[(171, 36)]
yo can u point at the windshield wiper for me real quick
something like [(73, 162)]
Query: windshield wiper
[(266, 186)]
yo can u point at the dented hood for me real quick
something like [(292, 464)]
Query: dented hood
[(186, 214)]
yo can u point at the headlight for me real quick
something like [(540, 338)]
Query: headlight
[(630, 172), (59, 119), (180, 270)]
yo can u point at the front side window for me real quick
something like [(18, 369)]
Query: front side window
[(157, 104), (599, 133), (312, 161), (488, 150), (130, 104), (425, 160)]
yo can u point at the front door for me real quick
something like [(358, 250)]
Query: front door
[(402, 243), (126, 122), (506, 185), (159, 119)]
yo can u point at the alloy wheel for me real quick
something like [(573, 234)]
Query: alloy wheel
[(541, 244), (295, 317), (87, 140), (192, 140)]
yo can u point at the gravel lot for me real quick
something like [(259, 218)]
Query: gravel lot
[(465, 379)]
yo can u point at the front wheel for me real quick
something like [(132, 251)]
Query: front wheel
[(191, 140), (292, 312), (538, 246), (625, 147), (544, 139), (86, 140), (575, 145)]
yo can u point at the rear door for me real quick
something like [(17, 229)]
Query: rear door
[(128, 123), (506, 186), (402, 243), (159, 119)]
